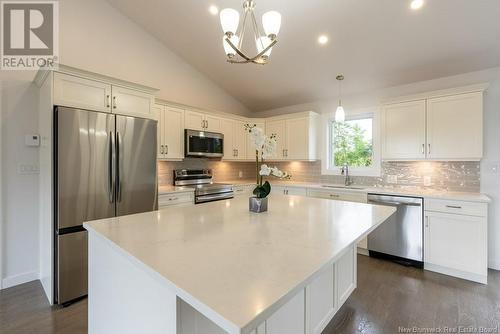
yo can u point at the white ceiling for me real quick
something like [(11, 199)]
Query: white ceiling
[(374, 43)]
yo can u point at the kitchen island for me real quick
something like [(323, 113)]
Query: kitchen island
[(218, 268)]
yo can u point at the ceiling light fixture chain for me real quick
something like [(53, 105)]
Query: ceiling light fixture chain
[(233, 35)]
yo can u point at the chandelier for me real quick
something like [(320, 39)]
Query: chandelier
[(232, 40)]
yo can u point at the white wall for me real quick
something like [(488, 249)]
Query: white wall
[(97, 38), (490, 181), (20, 192)]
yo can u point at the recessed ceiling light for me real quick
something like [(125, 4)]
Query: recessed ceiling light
[(416, 4), (213, 10), (323, 39)]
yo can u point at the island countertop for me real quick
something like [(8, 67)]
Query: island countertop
[(234, 266)]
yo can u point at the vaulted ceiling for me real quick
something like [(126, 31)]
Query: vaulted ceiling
[(374, 43)]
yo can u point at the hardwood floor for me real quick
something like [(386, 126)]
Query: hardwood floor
[(388, 296)]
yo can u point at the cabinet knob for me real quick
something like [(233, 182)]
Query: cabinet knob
[(107, 101), (429, 151), (161, 149), (423, 148), (114, 102), (166, 149)]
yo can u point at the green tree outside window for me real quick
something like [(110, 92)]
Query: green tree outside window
[(352, 143)]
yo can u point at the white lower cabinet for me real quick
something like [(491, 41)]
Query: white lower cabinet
[(308, 312), (289, 318), (456, 243), (175, 199), (339, 195), (293, 191), (320, 301)]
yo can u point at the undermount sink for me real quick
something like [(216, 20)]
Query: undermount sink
[(342, 187)]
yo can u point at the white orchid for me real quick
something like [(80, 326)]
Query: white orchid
[(265, 147), (265, 170)]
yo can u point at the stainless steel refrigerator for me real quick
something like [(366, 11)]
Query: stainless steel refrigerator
[(105, 166)]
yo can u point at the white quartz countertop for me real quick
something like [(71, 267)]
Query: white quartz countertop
[(234, 266), (408, 191)]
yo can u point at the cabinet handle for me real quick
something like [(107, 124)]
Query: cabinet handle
[(166, 149), (161, 149), (286, 153), (107, 101), (173, 198), (114, 102), (426, 221), (423, 148), (237, 153), (334, 196), (429, 151), (283, 153), (454, 206)]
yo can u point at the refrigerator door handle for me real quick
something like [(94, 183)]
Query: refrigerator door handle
[(111, 167), (119, 167)]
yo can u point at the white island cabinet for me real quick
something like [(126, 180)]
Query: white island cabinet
[(217, 268)]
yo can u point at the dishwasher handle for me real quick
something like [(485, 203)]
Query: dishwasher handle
[(394, 200)]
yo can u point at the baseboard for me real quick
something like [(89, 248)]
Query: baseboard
[(457, 273), (494, 264), (11, 281)]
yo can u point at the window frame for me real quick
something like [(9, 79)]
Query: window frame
[(374, 169)]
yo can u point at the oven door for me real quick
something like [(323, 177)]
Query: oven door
[(203, 144)]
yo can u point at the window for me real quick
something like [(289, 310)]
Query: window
[(351, 143)]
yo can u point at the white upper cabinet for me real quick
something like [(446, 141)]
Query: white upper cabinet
[(170, 132), (73, 91), (132, 102), (227, 126), (250, 150), (445, 125), (212, 123), (278, 127), (297, 142), (159, 115), (455, 127), (404, 130), (296, 135), (240, 140), (235, 139), (99, 95), (195, 120), (174, 133)]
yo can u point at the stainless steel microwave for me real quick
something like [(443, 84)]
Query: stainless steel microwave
[(203, 144)]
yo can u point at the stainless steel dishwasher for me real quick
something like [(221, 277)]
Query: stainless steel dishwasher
[(400, 238)]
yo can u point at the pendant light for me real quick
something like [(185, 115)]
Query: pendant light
[(340, 113)]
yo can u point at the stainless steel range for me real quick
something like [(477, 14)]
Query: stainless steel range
[(205, 189)]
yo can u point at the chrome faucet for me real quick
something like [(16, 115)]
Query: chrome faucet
[(345, 171)]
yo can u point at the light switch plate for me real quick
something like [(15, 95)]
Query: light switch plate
[(32, 140)]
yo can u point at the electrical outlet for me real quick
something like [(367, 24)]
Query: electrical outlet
[(427, 181), (392, 179), (240, 174)]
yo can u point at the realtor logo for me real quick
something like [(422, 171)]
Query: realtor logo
[(29, 35)]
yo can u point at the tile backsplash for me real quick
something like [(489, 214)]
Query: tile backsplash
[(451, 176)]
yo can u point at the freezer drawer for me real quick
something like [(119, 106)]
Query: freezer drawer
[(72, 266)]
